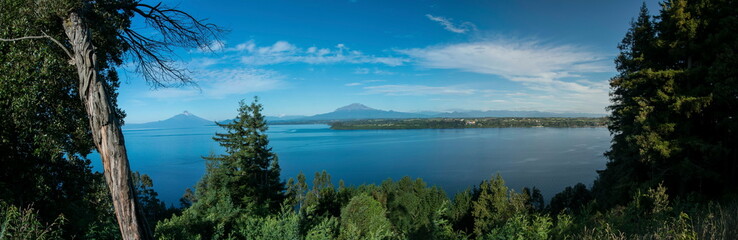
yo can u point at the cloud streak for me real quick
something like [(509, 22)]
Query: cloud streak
[(416, 90), (510, 58), (450, 26), (219, 84), (555, 69), (285, 52)]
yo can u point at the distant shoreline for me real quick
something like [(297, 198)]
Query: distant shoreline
[(461, 123)]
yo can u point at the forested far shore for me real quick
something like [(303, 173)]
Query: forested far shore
[(491, 122)]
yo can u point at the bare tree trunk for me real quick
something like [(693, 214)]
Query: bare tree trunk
[(106, 132)]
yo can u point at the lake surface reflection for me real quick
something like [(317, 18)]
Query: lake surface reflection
[(454, 159)]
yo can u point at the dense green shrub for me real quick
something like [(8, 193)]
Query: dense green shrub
[(364, 218), (22, 224)]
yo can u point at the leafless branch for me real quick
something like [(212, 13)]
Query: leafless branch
[(69, 54), (20, 38), (175, 28)]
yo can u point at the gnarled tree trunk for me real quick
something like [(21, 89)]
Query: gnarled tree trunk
[(106, 131)]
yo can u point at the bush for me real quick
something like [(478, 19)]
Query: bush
[(494, 205), (24, 224), (523, 227), (364, 218), (273, 227), (325, 230)]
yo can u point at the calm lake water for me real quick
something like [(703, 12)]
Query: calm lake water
[(454, 159)]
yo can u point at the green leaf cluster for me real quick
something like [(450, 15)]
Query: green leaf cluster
[(673, 118)]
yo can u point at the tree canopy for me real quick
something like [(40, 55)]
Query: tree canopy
[(250, 169), (674, 117)]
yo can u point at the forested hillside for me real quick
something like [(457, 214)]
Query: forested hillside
[(445, 123)]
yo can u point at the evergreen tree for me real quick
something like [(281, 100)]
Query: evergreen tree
[(535, 199), (296, 191), (495, 205), (364, 218), (250, 169), (571, 200), (675, 106)]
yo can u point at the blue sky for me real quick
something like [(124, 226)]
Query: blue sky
[(309, 57)]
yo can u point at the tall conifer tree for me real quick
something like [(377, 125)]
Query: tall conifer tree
[(674, 113), (250, 168)]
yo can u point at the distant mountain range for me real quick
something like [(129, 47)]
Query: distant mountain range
[(182, 120), (356, 111), (507, 113), (360, 111)]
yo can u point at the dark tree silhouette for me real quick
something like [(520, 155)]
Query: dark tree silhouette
[(96, 36)]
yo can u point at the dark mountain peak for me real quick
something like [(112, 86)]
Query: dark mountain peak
[(354, 107), (186, 115), (182, 120)]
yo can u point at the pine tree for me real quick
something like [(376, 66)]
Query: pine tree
[(495, 205), (631, 92), (250, 168), (674, 116), (296, 191)]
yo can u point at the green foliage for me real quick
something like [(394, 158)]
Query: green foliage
[(212, 214), (673, 116), (715, 221), (367, 215), (296, 191), (22, 224), (535, 199), (249, 169), (674, 123), (412, 206), (273, 227), (495, 205), (364, 218), (522, 227), (43, 138), (44, 133), (571, 200), (322, 196), (564, 227), (325, 230), (460, 213), (211, 217), (442, 227), (154, 209)]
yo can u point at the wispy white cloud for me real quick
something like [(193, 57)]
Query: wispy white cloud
[(247, 46), (362, 71), (376, 71), (221, 83), (556, 69), (511, 58), (285, 52), (353, 84), (199, 63), (214, 46), (450, 26), (417, 90)]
